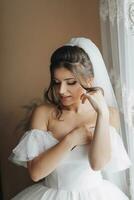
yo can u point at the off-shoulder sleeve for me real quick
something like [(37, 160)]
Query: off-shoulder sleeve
[(31, 144), (119, 160)]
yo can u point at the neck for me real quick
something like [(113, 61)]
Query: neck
[(76, 108)]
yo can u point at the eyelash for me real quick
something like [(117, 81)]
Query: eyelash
[(58, 83), (73, 83)]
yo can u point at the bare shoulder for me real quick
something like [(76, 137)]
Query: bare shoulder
[(114, 117), (40, 117)]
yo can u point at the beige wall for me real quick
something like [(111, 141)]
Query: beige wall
[(31, 30)]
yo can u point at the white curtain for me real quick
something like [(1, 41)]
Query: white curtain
[(117, 35)]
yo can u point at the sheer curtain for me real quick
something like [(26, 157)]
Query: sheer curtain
[(117, 35)]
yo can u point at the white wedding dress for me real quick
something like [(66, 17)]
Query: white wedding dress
[(73, 179)]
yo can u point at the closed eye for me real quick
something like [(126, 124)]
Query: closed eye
[(72, 83), (68, 82)]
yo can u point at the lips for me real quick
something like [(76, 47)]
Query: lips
[(65, 97)]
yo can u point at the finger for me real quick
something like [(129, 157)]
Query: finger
[(84, 99), (82, 96), (91, 93)]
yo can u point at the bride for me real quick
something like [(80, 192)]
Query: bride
[(73, 137)]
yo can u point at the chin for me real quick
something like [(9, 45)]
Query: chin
[(71, 103), (66, 103)]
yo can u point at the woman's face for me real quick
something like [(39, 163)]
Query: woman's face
[(67, 88)]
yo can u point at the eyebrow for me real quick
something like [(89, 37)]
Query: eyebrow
[(64, 79)]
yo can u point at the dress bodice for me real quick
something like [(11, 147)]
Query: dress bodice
[(74, 170)]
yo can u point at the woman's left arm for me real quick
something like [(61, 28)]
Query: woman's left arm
[(100, 146), (114, 117)]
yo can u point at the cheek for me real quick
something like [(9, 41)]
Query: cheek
[(78, 92)]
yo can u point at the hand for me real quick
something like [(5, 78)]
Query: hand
[(97, 101), (81, 135)]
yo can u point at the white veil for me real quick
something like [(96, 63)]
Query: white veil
[(101, 79)]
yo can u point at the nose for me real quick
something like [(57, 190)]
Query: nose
[(62, 89)]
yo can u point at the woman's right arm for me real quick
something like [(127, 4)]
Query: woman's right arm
[(46, 162)]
